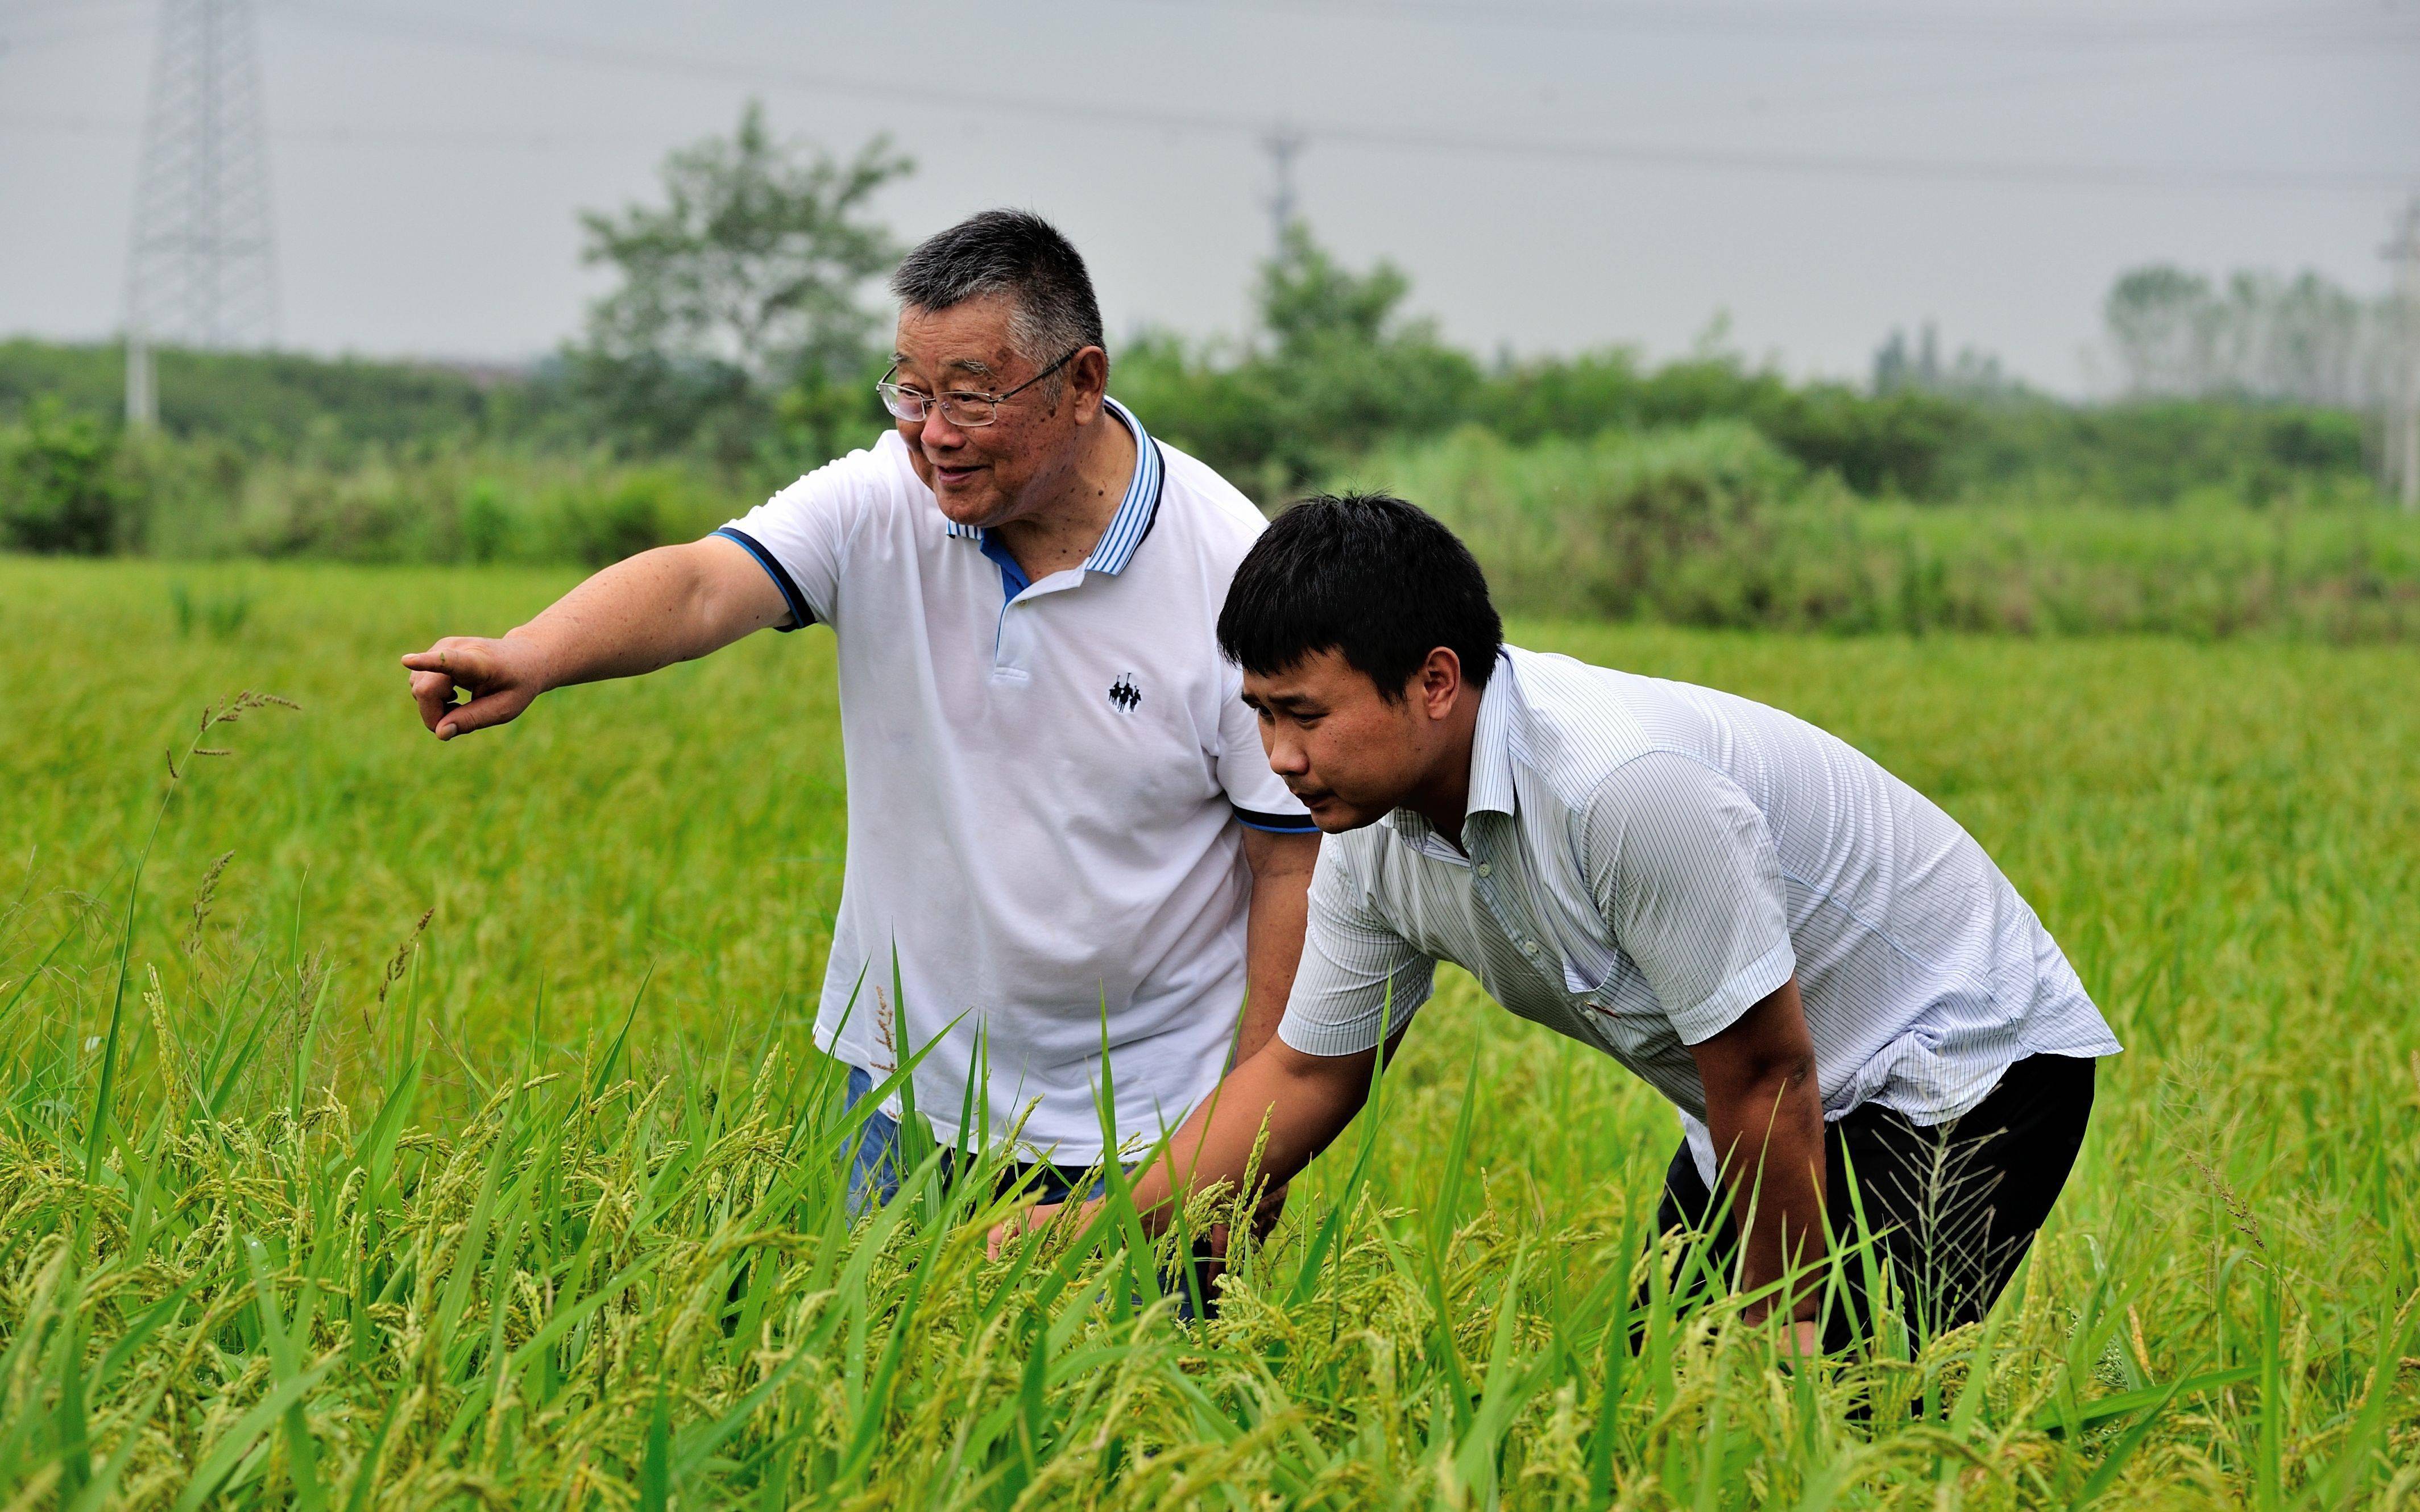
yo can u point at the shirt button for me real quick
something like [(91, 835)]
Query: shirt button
[(1529, 947), (1484, 870)]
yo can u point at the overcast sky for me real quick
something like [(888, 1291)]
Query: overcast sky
[(1553, 174)]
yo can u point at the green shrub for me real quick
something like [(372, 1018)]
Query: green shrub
[(637, 510), (1618, 526), (443, 505), (218, 611), (60, 488), (484, 522), (1714, 525), (281, 404)]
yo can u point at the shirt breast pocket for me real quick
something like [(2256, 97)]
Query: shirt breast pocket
[(1586, 972), (1609, 986)]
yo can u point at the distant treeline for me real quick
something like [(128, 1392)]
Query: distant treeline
[(1700, 491), (1274, 419), (1601, 482), (287, 405), (1715, 525)]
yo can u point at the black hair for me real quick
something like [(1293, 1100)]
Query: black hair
[(1014, 252), (1377, 579)]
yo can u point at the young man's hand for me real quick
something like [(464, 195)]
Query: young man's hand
[(1286, 1103), (1266, 1214), (1005, 1233), (1806, 1343)]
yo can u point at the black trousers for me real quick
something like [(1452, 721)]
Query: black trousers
[(1952, 1209)]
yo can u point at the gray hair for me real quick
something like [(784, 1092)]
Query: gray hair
[(1051, 308)]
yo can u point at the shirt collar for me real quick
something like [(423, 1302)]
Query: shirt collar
[(1136, 512), (1491, 758)]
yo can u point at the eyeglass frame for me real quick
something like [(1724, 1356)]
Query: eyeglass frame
[(890, 391)]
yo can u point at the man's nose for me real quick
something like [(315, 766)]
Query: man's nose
[(1286, 756), (937, 434)]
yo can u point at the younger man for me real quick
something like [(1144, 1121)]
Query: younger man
[(1813, 963)]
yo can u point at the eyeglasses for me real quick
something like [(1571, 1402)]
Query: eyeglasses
[(961, 408)]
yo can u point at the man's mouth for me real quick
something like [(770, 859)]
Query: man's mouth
[(949, 477)]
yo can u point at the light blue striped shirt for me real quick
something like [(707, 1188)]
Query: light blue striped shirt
[(1648, 859)]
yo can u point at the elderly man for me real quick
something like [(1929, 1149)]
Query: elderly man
[(1060, 823)]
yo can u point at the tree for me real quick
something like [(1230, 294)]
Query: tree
[(1308, 299), (2257, 335), (1346, 368), (2163, 322), (2302, 340), (744, 283), (1972, 374), (1332, 367), (61, 489)]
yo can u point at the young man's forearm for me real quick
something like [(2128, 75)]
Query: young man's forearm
[(1304, 1100), (1774, 1132), (1766, 1117)]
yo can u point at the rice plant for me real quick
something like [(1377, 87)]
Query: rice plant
[(311, 1198)]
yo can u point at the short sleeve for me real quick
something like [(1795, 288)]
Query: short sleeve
[(801, 535), (1684, 871), (1260, 797), (1360, 980)]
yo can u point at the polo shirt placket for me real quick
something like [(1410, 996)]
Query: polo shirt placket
[(1013, 643), (1521, 940)]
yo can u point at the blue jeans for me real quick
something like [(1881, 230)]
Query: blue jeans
[(876, 1165)]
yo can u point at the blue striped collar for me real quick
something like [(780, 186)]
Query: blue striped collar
[(1136, 512)]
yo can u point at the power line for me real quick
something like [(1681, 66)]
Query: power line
[(1299, 134), (1988, 170), (2350, 25), (1624, 154), (1650, 156), (407, 138), (66, 8), (23, 42), (1794, 104)]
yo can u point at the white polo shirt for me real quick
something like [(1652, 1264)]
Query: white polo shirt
[(1047, 785), (1647, 859)]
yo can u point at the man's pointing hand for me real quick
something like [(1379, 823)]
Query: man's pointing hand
[(499, 676)]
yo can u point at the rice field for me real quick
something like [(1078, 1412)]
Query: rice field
[(389, 1124)]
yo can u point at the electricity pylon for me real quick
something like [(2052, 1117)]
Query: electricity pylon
[(201, 271), (2403, 360), (1283, 144)]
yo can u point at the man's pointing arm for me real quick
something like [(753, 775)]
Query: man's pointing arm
[(672, 604)]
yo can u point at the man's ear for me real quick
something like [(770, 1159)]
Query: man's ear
[(1438, 683), (1088, 382)]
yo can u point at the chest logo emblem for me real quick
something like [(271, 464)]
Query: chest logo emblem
[(1123, 695)]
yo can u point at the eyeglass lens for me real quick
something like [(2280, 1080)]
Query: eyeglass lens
[(959, 409)]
